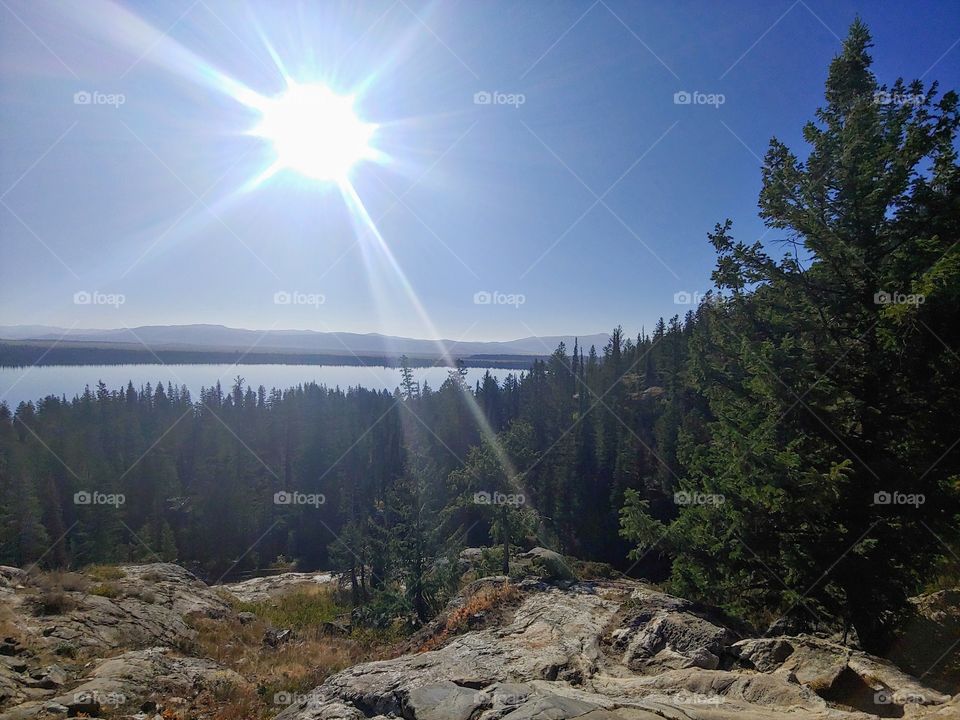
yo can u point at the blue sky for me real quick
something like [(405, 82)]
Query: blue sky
[(151, 200)]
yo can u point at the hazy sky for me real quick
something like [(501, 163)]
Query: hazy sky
[(588, 193)]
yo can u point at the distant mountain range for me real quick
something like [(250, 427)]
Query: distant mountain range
[(226, 339)]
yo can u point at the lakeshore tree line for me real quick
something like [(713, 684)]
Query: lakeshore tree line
[(789, 447)]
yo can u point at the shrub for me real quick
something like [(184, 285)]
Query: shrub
[(284, 564), (485, 599), (74, 582), (589, 570), (66, 649), (103, 573), (107, 590), (53, 602), (386, 610), (59, 580)]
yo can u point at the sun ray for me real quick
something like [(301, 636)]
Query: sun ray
[(365, 227), (315, 132)]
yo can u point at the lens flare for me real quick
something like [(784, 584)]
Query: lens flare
[(315, 132)]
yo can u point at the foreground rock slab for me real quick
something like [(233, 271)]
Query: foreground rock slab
[(132, 606), (621, 651), (134, 678)]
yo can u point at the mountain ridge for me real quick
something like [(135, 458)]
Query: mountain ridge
[(222, 337)]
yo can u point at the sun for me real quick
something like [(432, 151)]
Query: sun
[(315, 132)]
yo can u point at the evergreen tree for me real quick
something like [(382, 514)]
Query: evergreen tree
[(829, 380)]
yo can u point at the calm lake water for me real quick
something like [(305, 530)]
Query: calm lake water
[(31, 383)]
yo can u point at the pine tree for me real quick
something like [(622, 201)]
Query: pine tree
[(830, 396)]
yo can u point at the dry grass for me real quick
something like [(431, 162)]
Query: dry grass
[(296, 666), (12, 625), (58, 580), (486, 599), (246, 705), (300, 609), (52, 602), (237, 703), (103, 573), (9, 627)]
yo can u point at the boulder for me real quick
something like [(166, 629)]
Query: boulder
[(50, 677), (544, 649), (547, 564), (125, 680), (929, 642), (837, 673), (762, 654), (442, 701), (11, 577), (659, 632)]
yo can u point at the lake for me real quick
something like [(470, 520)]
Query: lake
[(18, 384)]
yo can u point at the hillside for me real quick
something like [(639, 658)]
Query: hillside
[(153, 641), (190, 343)]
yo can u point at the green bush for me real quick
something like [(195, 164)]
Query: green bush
[(386, 610)]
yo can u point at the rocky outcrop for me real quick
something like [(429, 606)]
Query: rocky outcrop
[(658, 632), (146, 605), (838, 673), (10, 578), (619, 651), (119, 642), (63, 628), (262, 588), (538, 562), (545, 563), (133, 680), (929, 643)]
